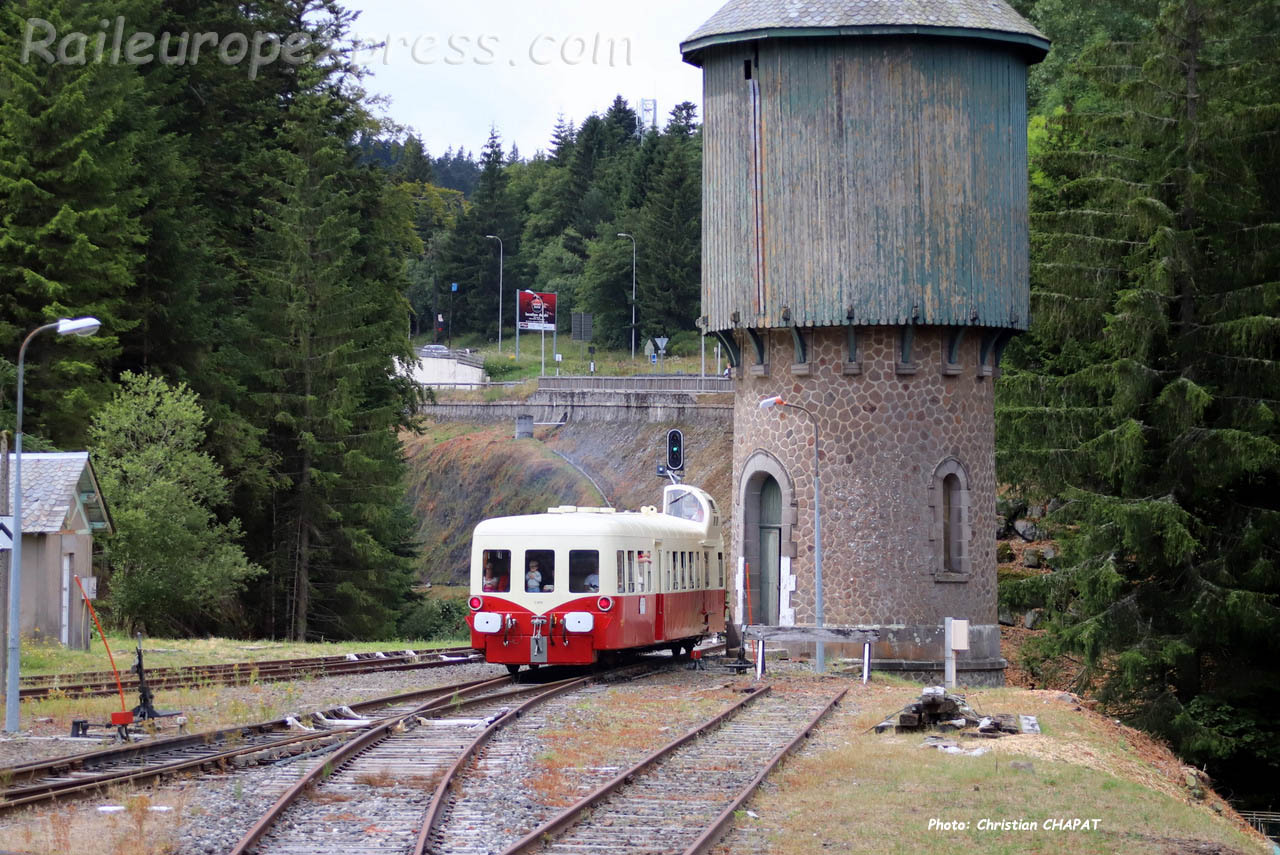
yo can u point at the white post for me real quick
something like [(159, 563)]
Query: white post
[(866, 662), (948, 654)]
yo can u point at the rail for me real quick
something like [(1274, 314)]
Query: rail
[(597, 830)]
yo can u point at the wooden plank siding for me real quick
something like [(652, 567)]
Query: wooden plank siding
[(894, 176)]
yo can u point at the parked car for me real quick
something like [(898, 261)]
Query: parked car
[(433, 350)]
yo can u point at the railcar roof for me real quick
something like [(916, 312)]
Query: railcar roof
[(582, 523)]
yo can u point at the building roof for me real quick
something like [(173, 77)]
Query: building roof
[(52, 484), (751, 20)]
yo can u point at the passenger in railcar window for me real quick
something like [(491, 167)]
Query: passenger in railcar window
[(543, 562), (497, 571), (584, 571)]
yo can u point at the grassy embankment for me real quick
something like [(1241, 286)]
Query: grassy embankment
[(208, 705)]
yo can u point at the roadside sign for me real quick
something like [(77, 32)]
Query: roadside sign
[(536, 311)]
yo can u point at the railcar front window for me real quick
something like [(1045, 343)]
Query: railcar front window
[(539, 571), (496, 571), (685, 505), (584, 571)]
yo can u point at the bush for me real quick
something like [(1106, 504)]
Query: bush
[(430, 619), (685, 343)]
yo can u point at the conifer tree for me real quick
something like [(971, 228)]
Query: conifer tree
[(329, 313), (70, 215), (1146, 394)]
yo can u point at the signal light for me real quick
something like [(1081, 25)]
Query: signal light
[(475, 603), (675, 450)]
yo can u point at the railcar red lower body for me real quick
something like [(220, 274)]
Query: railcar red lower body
[(511, 634)]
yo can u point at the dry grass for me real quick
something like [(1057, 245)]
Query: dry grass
[(51, 658), (616, 728), (147, 825), (381, 779), (855, 791)]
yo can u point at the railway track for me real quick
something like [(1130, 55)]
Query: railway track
[(82, 774), (241, 673), (370, 797), (678, 800)]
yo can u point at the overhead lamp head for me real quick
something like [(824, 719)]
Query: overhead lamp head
[(775, 401), (78, 326)]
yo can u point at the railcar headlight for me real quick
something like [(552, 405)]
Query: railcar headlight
[(579, 621), (487, 622), (604, 603)]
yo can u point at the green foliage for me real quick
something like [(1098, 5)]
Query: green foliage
[(431, 619), (328, 308), (174, 567), (1145, 394), (70, 215)]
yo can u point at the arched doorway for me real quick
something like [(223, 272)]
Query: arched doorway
[(765, 576)]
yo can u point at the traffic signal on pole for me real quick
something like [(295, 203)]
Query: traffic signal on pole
[(675, 450)]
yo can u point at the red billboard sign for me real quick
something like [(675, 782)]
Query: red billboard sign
[(537, 311)]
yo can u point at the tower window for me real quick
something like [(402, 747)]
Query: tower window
[(951, 528)]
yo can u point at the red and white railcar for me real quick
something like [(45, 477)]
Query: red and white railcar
[(575, 585)]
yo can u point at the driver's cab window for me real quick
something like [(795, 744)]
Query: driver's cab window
[(539, 571)]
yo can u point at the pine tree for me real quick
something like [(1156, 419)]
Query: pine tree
[(70, 216), (329, 313), (1145, 396)]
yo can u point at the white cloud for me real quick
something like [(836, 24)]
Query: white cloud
[(451, 70)]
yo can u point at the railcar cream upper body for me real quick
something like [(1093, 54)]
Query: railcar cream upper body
[(625, 579)]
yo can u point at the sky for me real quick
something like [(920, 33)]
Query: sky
[(451, 70)]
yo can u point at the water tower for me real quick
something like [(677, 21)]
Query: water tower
[(865, 257)]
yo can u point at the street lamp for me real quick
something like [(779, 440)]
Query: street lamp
[(66, 326), (777, 401), (501, 258), (633, 293)]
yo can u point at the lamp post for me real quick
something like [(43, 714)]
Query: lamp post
[(502, 250), (777, 401), (633, 293), (77, 326)]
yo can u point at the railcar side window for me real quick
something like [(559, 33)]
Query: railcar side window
[(539, 570), (644, 571), (584, 571), (496, 575), (720, 574), (631, 572)]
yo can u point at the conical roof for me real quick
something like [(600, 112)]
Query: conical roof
[(752, 20)]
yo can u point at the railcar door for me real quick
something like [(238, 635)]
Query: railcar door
[(660, 592)]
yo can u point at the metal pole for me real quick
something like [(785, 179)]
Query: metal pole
[(15, 569), (555, 331), (517, 307), (817, 542), (633, 299), (633, 292), (501, 261)]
